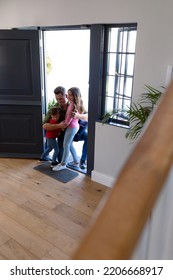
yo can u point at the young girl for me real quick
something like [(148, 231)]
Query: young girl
[(51, 136), (76, 104)]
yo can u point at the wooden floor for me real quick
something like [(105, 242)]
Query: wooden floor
[(41, 218)]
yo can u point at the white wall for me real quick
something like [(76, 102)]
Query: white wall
[(157, 237), (154, 51), (111, 151)]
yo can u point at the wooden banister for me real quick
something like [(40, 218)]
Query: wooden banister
[(118, 226)]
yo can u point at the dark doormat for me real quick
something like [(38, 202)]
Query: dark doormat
[(77, 168), (64, 176)]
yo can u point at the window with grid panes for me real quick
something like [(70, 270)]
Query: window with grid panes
[(119, 70)]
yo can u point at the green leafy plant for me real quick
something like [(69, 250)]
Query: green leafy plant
[(138, 113), (51, 103), (48, 64)]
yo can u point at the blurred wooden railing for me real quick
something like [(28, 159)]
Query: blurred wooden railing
[(119, 224)]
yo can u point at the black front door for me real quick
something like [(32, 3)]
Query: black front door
[(21, 133)]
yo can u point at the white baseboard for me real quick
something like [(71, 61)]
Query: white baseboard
[(102, 179)]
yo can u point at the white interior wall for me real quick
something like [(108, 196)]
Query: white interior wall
[(107, 155), (154, 243), (154, 51)]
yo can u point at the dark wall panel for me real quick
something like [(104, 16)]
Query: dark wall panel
[(19, 133)]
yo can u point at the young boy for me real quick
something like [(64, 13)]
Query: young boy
[(51, 136)]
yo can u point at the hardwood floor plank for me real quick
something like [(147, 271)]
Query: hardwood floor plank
[(55, 219), (21, 193), (30, 241), (76, 216), (38, 226), (3, 238), (12, 250), (56, 254), (67, 196), (40, 217)]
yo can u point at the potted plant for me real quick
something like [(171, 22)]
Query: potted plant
[(138, 113)]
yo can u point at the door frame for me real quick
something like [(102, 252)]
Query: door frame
[(91, 138)]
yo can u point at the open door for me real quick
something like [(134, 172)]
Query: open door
[(69, 67), (21, 133)]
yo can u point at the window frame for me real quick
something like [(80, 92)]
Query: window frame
[(118, 120)]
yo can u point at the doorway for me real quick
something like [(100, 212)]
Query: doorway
[(67, 55)]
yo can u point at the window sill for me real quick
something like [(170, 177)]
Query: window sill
[(118, 123)]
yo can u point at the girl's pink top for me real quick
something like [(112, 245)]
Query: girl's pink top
[(71, 122)]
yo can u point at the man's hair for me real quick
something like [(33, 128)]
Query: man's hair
[(59, 89)]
